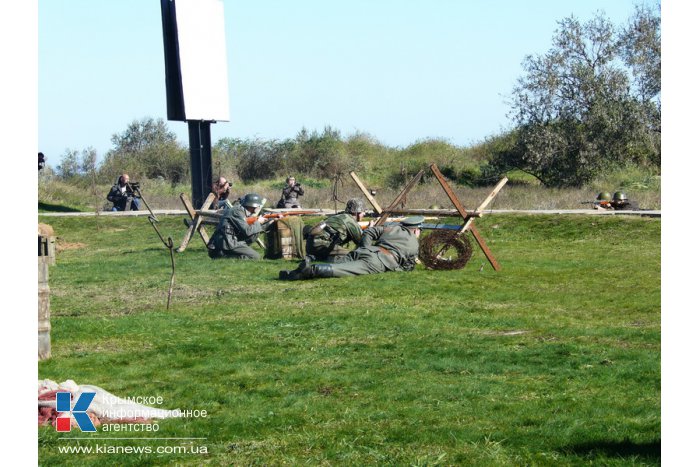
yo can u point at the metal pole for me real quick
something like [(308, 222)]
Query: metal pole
[(200, 159)]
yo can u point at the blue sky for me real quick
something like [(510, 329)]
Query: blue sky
[(398, 70)]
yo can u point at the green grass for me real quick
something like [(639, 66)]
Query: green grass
[(555, 360)]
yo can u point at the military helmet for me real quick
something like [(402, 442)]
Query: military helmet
[(604, 196), (251, 200), (619, 197), (354, 206)]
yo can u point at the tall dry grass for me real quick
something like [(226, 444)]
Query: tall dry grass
[(161, 194)]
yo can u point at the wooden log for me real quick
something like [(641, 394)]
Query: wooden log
[(448, 191), (196, 221), (486, 202), (368, 195), (400, 198), (44, 318), (485, 249), (433, 212)]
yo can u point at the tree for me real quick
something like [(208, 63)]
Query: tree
[(258, 159), (69, 166), (324, 155), (641, 51), (147, 148), (574, 109)]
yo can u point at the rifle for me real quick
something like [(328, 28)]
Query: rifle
[(396, 220), (598, 204), (279, 215)]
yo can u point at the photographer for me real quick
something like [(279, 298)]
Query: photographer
[(123, 196), (222, 189), (290, 194)]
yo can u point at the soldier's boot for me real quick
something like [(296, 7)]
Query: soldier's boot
[(322, 270), (303, 271)]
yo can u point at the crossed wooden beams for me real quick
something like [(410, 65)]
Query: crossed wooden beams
[(198, 218), (467, 216), (196, 221)]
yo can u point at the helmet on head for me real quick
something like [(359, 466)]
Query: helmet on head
[(604, 196), (251, 200), (619, 197), (413, 222), (354, 206)]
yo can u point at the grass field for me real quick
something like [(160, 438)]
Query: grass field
[(555, 360)]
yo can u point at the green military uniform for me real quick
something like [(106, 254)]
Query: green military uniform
[(382, 249), (233, 235), (327, 239)]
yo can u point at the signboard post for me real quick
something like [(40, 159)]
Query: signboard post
[(196, 78)]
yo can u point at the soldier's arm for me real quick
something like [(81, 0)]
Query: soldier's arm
[(371, 235), (355, 232), (248, 230)]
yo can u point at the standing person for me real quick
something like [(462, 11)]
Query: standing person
[(234, 234), (222, 189), (290, 193), (382, 249), (122, 195), (327, 239)]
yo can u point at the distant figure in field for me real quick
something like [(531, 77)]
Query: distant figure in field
[(122, 195), (620, 202), (290, 193)]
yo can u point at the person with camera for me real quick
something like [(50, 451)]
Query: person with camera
[(123, 196), (235, 233), (222, 189), (290, 193)]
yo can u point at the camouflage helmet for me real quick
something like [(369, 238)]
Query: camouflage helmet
[(619, 197), (354, 206), (251, 200), (604, 196)]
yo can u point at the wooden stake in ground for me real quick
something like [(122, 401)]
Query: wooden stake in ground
[(196, 224)]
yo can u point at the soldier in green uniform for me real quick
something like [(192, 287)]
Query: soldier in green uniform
[(382, 249), (233, 234), (620, 202), (327, 240)]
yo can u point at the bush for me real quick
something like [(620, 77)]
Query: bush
[(323, 155), (146, 149), (260, 159)]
